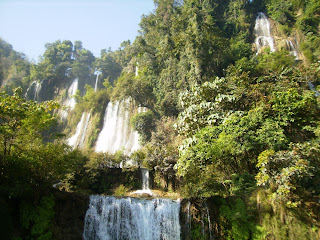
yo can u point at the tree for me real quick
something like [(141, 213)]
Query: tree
[(231, 121), (29, 157)]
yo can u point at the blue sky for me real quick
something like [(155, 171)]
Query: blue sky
[(28, 24)]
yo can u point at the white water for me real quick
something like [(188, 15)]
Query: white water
[(72, 91), (292, 49), (145, 184), (189, 217), (97, 79), (77, 140), (117, 133), (209, 221), (36, 87), (109, 218), (262, 32), (70, 103), (145, 179)]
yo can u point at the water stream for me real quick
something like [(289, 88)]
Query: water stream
[(209, 221), (70, 103), (292, 49), (145, 184), (110, 218), (33, 91), (262, 32), (77, 140), (117, 133), (97, 79)]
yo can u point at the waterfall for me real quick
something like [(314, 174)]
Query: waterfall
[(262, 32), (292, 49), (72, 91), (77, 140), (29, 89), (145, 184), (97, 79), (84, 131), (33, 90), (189, 217), (117, 133), (145, 179), (109, 218), (209, 221), (70, 103)]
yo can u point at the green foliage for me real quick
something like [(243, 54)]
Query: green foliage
[(137, 87), (238, 115), (205, 104), (110, 65), (161, 152), (288, 173), (232, 120), (275, 61), (37, 220), (281, 11), (22, 122), (196, 233), (279, 222), (27, 158), (242, 184), (14, 68), (240, 224), (121, 190), (143, 123)]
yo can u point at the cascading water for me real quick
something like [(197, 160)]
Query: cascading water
[(29, 90), (97, 79), (33, 91), (77, 140), (137, 69), (70, 103), (189, 218), (145, 179), (72, 91), (145, 184), (109, 218), (117, 133), (262, 32), (292, 49), (209, 221)]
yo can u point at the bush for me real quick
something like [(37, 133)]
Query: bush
[(121, 190)]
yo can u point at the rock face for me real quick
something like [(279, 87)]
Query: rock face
[(70, 211)]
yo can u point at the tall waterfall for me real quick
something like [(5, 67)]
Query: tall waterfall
[(145, 179), (70, 103), (72, 91), (137, 69), (109, 218), (77, 140), (209, 221), (97, 79), (262, 32), (117, 133)]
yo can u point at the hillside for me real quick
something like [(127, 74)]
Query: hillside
[(224, 96)]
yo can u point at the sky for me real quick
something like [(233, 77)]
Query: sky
[(99, 24)]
